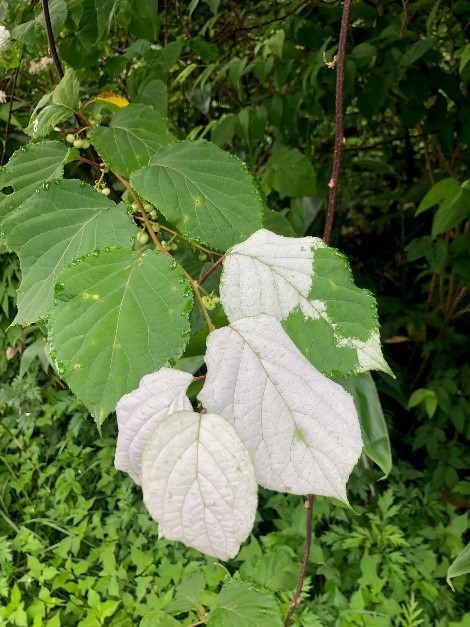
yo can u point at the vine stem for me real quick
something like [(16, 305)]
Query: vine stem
[(339, 122), (158, 245), (303, 569), (50, 39), (211, 270), (10, 112), (330, 216)]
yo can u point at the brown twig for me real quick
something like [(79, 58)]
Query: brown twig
[(339, 121), (182, 20), (339, 137), (50, 39), (275, 19), (303, 569), (10, 113), (211, 270)]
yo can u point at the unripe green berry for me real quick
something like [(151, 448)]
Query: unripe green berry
[(142, 237), (105, 191), (98, 117), (148, 207), (77, 143), (208, 302), (173, 246), (153, 214), (156, 227), (85, 143), (70, 138), (135, 206), (202, 256), (166, 245)]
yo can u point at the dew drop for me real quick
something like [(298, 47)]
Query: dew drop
[(82, 183), (57, 182), (181, 278), (187, 292), (185, 333), (46, 185), (171, 362), (173, 264)]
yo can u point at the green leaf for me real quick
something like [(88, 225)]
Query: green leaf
[(152, 93), (202, 190), (309, 288), (416, 51), (451, 214), (66, 93), (290, 173), (63, 220), (158, 618), (241, 605), (443, 193), (371, 417), (118, 315), (460, 566), (277, 223), (34, 32), (28, 167), (135, 134), (49, 117)]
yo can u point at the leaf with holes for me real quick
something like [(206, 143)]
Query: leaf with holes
[(199, 483), (158, 395), (205, 192), (28, 167), (135, 134), (309, 288), (301, 428), (119, 315), (64, 220)]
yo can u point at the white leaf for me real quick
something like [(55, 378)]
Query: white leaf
[(300, 428), (309, 288), (158, 395), (199, 483), (268, 274)]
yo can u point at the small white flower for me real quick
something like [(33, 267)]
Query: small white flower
[(35, 67), (4, 38), (3, 97)]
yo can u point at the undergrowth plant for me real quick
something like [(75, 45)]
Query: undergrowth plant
[(234, 354)]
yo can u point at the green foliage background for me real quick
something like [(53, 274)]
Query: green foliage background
[(76, 545)]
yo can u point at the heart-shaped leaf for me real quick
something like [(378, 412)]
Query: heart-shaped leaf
[(158, 395), (301, 428), (199, 483), (309, 288)]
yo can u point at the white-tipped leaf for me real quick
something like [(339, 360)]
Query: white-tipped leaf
[(199, 483), (310, 289), (268, 274), (300, 428), (158, 395)]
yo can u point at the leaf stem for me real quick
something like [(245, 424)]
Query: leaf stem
[(211, 270), (330, 216), (159, 247), (339, 122), (181, 236), (303, 569), (145, 218)]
